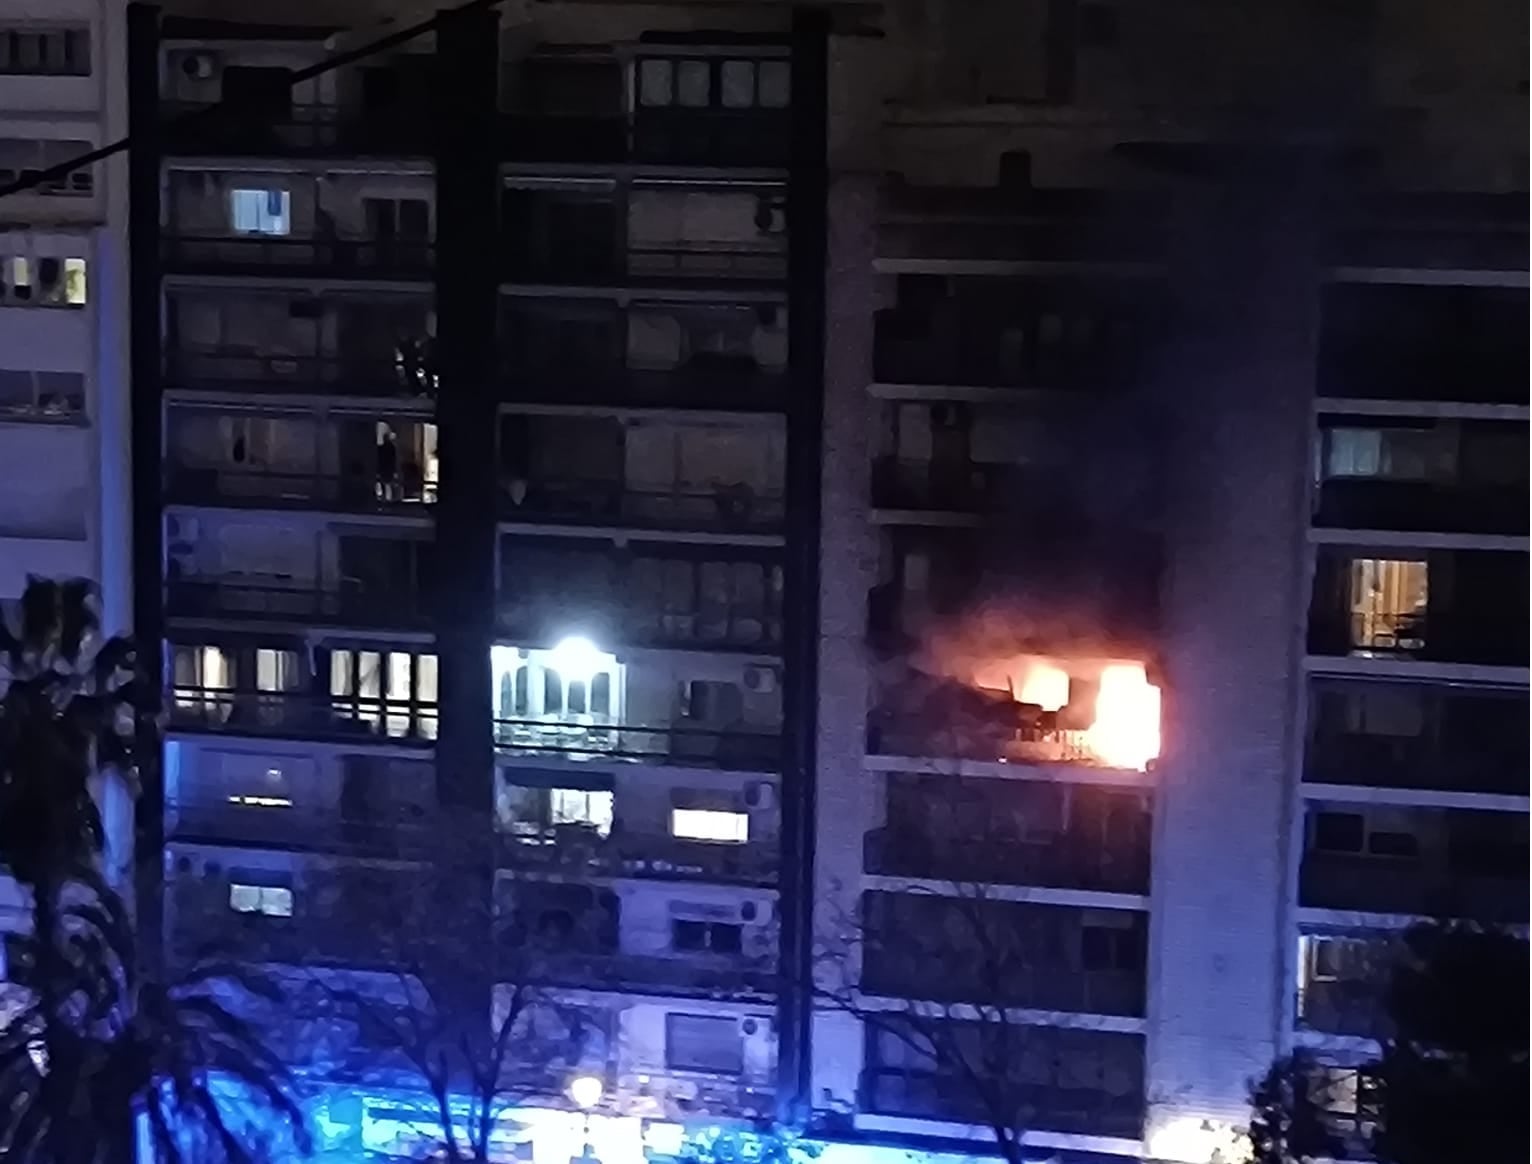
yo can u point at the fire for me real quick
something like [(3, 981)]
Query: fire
[(1125, 732)]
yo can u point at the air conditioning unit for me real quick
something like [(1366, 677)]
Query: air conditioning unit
[(180, 528), (760, 794), (200, 66), (760, 680)]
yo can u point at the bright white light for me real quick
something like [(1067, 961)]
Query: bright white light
[(1046, 686), (1189, 1140), (709, 824), (1126, 730), (585, 1091), (577, 659), (664, 1139)]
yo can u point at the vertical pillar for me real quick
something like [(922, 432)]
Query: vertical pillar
[(807, 190), (467, 289), (146, 427), (1237, 395)]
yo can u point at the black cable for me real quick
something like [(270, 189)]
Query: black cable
[(221, 108)]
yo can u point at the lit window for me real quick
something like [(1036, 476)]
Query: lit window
[(74, 282), (706, 824), (261, 211), (573, 806), (269, 900), (1388, 604)]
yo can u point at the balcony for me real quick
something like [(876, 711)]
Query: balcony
[(1411, 507), (1418, 737), (923, 486), (301, 715), (753, 138), (357, 492), (1064, 863), (1003, 740), (245, 373), (1370, 884), (324, 131), (581, 851), (1344, 1007), (680, 977), (289, 828), (1492, 636), (732, 749), (349, 605), (1069, 1110), (257, 256), (725, 385), (1038, 349), (724, 508)]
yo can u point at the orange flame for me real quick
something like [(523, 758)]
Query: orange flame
[(1125, 732)]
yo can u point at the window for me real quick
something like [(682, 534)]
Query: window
[(1337, 959), (38, 52), (1388, 604), (41, 395), (392, 692), (267, 900), (266, 212), (1110, 948), (654, 81), (574, 806), (712, 937), (707, 1043), (691, 83), (706, 824), (42, 281), (1386, 711), (1393, 454)]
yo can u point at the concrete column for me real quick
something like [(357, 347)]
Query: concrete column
[(1236, 394)]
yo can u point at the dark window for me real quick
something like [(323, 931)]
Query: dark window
[(705, 1043), (1392, 844), (56, 52), (1338, 832), (715, 937), (258, 91)]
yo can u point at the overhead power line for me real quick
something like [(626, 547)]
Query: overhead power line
[(223, 108)]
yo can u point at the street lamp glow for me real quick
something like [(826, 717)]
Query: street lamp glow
[(577, 660), (585, 1091)]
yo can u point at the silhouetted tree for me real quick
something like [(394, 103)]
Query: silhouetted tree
[(1452, 1078), (95, 1041)]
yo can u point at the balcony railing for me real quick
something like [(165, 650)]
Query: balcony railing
[(730, 508), (574, 849), (921, 485), (302, 715), (1348, 504), (287, 827), (324, 130), (1037, 351), (1493, 759), (1488, 635), (243, 372), (1060, 987), (633, 623), (334, 258), (890, 734), (1061, 1109), (338, 939), (1064, 863), (346, 605), (738, 749), (1345, 1007), (562, 263), (712, 384), (259, 489), (1386, 885), (650, 973), (756, 138)]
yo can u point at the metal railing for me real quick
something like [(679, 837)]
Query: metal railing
[(339, 258), (359, 492), (740, 749), (290, 827), (637, 624), (1370, 884), (718, 384), (889, 734), (304, 129), (1062, 863), (380, 376), (681, 975), (302, 714), (347, 604), (735, 508), (569, 848)]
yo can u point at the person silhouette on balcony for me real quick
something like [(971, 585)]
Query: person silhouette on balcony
[(388, 466)]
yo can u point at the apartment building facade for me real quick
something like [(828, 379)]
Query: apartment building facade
[(64, 437), (714, 486)]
